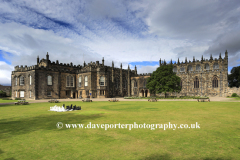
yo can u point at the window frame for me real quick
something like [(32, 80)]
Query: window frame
[(102, 81), (21, 94), (86, 81), (21, 79), (49, 80), (196, 82), (49, 95)]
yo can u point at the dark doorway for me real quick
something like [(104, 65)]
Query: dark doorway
[(142, 93), (73, 94), (146, 92)]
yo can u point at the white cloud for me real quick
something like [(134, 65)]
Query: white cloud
[(5, 73)]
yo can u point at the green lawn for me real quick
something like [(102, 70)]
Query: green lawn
[(7, 101), (30, 132)]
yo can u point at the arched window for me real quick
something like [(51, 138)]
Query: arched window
[(144, 83), (215, 82), (135, 84), (182, 69), (30, 80), (175, 69), (207, 66), (86, 81), (198, 67), (190, 68), (80, 81), (70, 81), (215, 66), (196, 82), (49, 80), (21, 80), (101, 81)]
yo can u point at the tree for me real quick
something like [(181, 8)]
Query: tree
[(164, 80), (234, 77)]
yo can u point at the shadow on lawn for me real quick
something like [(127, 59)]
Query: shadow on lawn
[(44, 122), (168, 157)]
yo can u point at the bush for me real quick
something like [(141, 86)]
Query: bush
[(19, 99), (7, 99), (234, 95)]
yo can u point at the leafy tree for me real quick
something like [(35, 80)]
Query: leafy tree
[(164, 80), (234, 77)]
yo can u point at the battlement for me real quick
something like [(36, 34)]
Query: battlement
[(203, 60)]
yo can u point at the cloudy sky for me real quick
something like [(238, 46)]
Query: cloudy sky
[(135, 32)]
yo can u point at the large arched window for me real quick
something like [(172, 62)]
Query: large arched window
[(101, 81), (215, 66), (21, 80), (80, 81), (196, 82), (215, 82), (70, 81), (190, 68), (49, 80), (207, 66), (182, 69), (144, 83), (175, 69), (198, 67), (135, 84), (86, 81)]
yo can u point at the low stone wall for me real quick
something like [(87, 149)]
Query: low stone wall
[(233, 90)]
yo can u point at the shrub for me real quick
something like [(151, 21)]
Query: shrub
[(234, 95)]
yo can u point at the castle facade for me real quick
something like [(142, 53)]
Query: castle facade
[(48, 80)]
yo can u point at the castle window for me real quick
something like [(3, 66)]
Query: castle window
[(80, 81), (215, 82), (16, 94), (49, 93), (101, 81), (30, 94), (86, 81), (22, 94), (190, 68), (70, 81), (21, 80), (135, 93), (30, 80), (87, 93), (175, 69), (207, 66), (80, 93), (196, 82), (16, 81), (135, 84), (144, 83), (182, 69), (49, 80), (198, 67), (215, 66)]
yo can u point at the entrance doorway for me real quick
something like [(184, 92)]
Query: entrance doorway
[(146, 92)]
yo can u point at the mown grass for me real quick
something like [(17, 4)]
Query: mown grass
[(30, 132)]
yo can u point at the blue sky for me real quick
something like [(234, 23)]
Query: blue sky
[(134, 32)]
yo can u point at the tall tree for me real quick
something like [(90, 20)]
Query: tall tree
[(164, 80), (234, 77)]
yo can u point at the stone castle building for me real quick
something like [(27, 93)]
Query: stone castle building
[(56, 80)]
